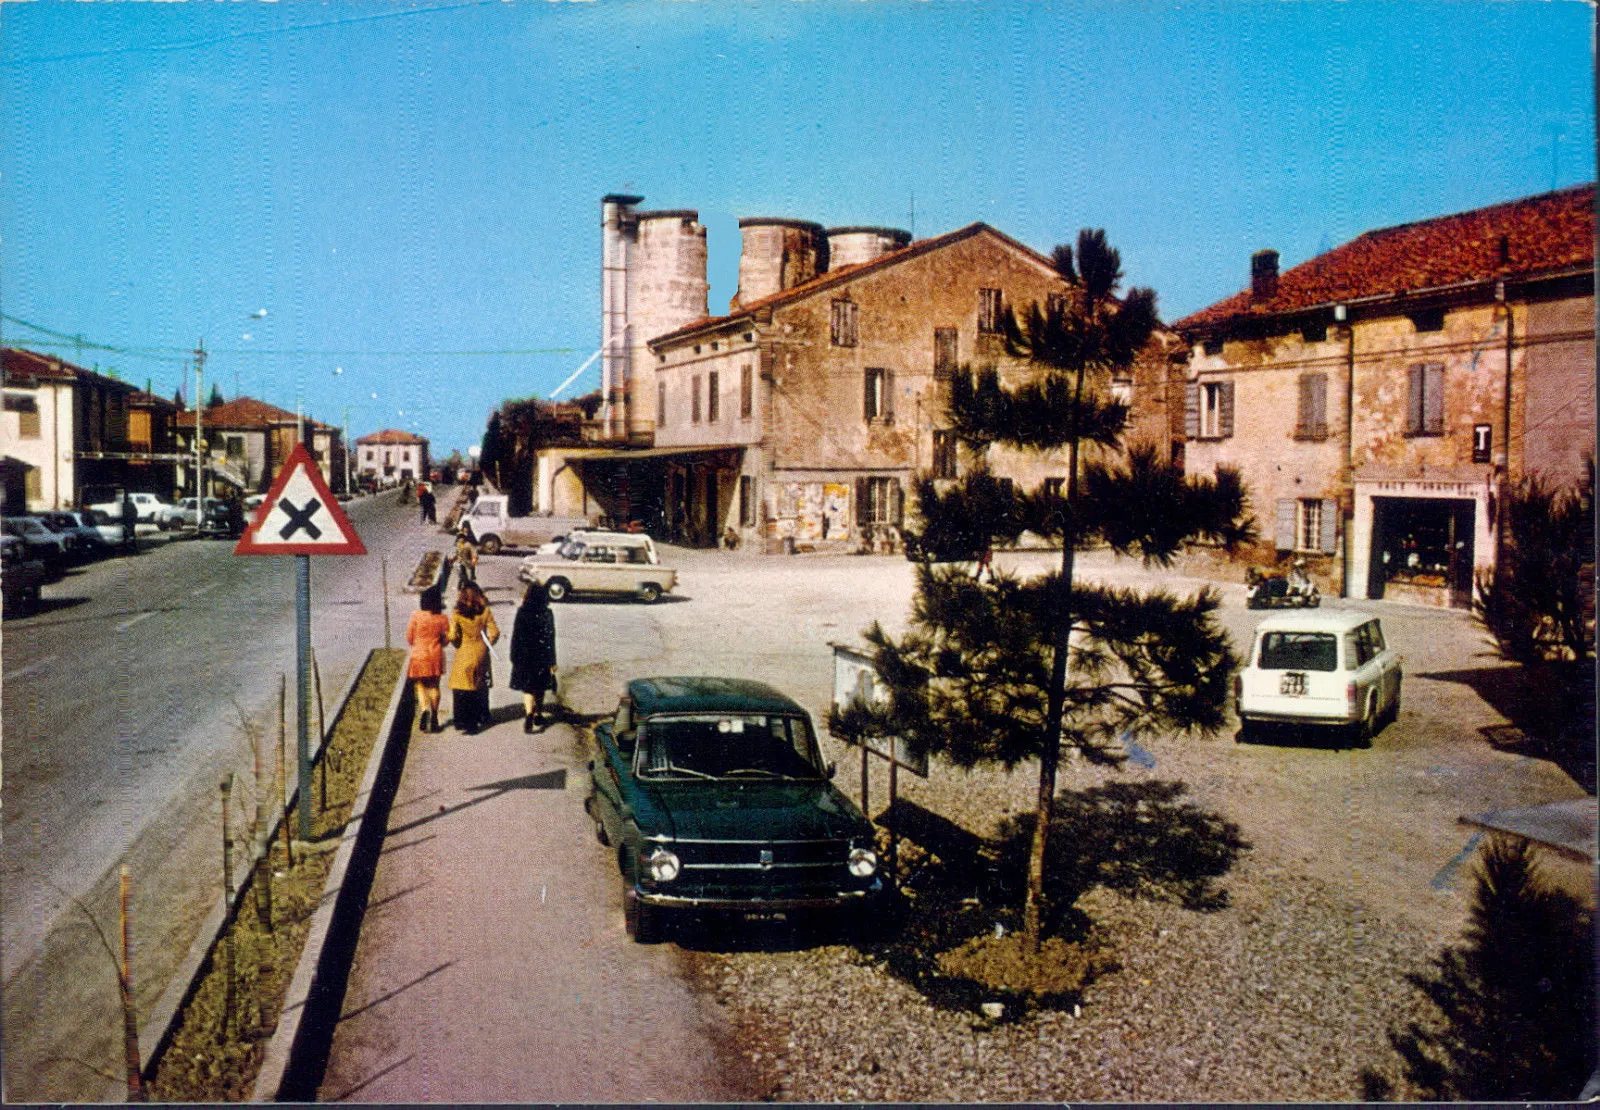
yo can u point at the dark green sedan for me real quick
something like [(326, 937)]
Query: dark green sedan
[(715, 797)]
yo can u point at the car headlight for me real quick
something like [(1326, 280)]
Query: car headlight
[(862, 862), (662, 865)]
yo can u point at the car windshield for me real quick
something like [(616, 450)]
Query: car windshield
[(726, 745), (1299, 651)]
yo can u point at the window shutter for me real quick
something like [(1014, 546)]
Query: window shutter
[(1414, 401), (863, 510), (1225, 415), (1191, 410), (1319, 405), (888, 394), (1328, 541), (868, 408), (1288, 508), (1433, 400), (897, 503)]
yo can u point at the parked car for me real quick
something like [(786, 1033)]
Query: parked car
[(84, 541), (110, 527), (601, 563), (150, 509), (43, 543), (21, 575), (714, 795), (1327, 668)]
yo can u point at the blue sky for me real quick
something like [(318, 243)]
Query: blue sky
[(413, 191)]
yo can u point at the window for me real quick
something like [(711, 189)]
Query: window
[(1314, 331), (990, 306), (944, 454), (1299, 651), (1122, 391), (747, 392), (844, 324), (1425, 400), (1212, 346), (713, 398), (944, 353), (1208, 410), (1429, 319), (1309, 524), (27, 410), (879, 501), (877, 397), (1053, 488), (661, 404), (747, 501), (694, 399), (1312, 422)]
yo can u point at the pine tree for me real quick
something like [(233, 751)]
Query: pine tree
[(985, 674), (216, 396)]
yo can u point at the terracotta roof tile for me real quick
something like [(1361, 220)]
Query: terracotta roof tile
[(247, 412), (21, 365), (1540, 234), (391, 436)]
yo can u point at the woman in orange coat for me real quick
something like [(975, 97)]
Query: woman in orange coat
[(472, 630), (426, 633)]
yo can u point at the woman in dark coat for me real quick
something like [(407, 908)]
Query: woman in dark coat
[(533, 654)]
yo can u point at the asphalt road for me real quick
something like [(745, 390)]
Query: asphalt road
[(125, 702)]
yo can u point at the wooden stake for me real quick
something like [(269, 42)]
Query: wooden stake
[(130, 1022), (322, 731), (227, 893), (384, 562), (258, 843)]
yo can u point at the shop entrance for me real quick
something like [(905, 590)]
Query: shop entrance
[(1422, 550)]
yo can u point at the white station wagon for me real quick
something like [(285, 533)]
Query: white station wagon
[(1320, 668)]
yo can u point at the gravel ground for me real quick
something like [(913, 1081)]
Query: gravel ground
[(1287, 996)]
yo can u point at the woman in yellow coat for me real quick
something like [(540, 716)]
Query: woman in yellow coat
[(472, 630)]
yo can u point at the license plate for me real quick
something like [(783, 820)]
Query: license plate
[(1292, 684)]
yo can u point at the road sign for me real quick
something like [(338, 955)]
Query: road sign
[(300, 515)]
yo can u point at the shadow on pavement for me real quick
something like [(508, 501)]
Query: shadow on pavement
[(1551, 707)]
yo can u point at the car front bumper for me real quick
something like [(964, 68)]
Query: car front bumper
[(755, 904)]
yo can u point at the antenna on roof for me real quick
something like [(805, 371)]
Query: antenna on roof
[(913, 215)]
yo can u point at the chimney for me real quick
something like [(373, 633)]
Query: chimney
[(1263, 275)]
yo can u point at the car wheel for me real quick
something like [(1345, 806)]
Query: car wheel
[(491, 545), (556, 589), (642, 922), (649, 592), (1362, 732)]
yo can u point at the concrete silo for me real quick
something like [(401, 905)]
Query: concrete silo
[(777, 254), (849, 246), (653, 280)]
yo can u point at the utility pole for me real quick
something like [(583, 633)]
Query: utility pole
[(199, 455)]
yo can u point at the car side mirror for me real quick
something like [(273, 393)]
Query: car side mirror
[(626, 740)]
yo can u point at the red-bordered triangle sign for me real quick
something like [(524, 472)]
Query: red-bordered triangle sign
[(300, 515)]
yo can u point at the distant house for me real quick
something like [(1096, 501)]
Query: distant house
[(390, 457), (1379, 398), (72, 435), (247, 441), (810, 408)]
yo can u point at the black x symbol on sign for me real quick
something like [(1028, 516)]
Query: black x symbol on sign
[(300, 518)]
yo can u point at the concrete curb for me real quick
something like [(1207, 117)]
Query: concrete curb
[(156, 1031), (296, 1052)]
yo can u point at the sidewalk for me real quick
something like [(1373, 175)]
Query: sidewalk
[(492, 964)]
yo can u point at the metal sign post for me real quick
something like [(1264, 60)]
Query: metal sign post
[(855, 679), (301, 517)]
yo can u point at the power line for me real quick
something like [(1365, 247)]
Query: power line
[(182, 354), (196, 44)]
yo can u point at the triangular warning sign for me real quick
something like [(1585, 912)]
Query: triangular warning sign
[(300, 515)]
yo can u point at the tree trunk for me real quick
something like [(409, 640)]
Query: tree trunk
[(1050, 750)]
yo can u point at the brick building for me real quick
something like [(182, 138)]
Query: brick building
[(812, 405), (1378, 398)]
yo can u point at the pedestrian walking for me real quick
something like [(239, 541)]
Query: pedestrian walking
[(472, 632), (466, 556), (533, 654), (427, 633), (425, 499), (130, 523)]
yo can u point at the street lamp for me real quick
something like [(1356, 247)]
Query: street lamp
[(199, 407)]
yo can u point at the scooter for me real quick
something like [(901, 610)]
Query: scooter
[(1295, 590)]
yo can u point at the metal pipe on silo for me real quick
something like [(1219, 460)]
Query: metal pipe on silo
[(616, 210)]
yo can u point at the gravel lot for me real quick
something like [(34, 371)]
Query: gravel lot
[(1357, 874)]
